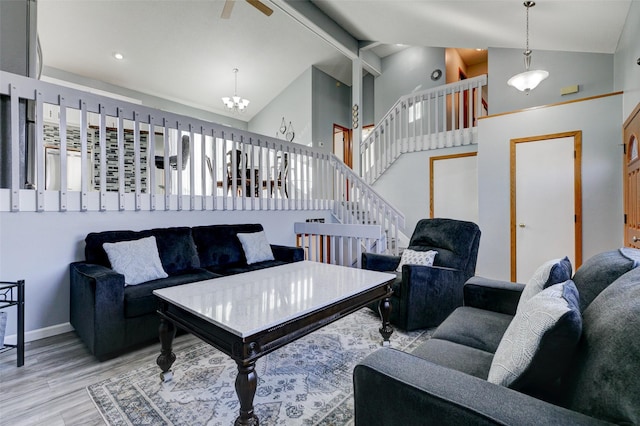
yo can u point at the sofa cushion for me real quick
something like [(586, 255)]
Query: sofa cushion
[(549, 273), (177, 249), (139, 299), (93, 248), (473, 327), (601, 270), (255, 247), (137, 260), (603, 381), (238, 269), (416, 257), (218, 245), (458, 357), (540, 341)]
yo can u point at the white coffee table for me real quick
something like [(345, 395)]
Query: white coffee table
[(249, 315)]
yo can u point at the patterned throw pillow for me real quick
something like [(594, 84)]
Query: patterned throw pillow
[(137, 260), (549, 273), (256, 247), (540, 341), (413, 257)]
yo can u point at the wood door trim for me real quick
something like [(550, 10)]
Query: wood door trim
[(432, 160), (627, 135), (516, 111), (577, 189)]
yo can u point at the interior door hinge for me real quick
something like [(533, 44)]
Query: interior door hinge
[(625, 218)]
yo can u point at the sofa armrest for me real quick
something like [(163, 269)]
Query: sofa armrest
[(380, 262), (492, 295), (287, 253), (396, 388), (428, 294), (97, 306)]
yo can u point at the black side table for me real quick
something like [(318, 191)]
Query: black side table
[(12, 293)]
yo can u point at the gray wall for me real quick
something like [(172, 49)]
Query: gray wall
[(331, 103), (626, 70), (147, 100), (294, 104), (38, 247), (593, 72), (599, 120), (404, 72), (368, 98)]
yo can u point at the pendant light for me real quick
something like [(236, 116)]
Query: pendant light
[(529, 79)]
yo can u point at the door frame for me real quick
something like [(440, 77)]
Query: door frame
[(347, 144), (577, 191), (631, 214), (432, 161)]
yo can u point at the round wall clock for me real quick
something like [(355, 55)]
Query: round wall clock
[(436, 74)]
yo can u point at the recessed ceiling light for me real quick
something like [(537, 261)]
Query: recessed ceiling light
[(119, 56)]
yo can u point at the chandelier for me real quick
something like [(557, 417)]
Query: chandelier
[(235, 103), (527, 80)]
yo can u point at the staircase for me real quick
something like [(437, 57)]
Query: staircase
[(441, 117)]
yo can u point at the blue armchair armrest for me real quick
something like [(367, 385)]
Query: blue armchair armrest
[(428, 294), (287, 253), (97, 306), (396, 388), (492, 295), (380, 262)]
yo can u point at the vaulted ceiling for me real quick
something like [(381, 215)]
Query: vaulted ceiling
[(184, 51)]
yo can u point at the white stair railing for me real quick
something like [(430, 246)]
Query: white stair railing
[(440, 117), (337, 243), (93, 153)]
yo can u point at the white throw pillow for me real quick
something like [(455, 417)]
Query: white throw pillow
[(552, 272), (413, 257), (256, 247), (540, 340), (137, 260)]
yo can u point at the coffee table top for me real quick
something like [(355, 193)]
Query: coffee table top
[(247, 303)]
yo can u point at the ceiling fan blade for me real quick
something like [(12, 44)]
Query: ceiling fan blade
[(261, 7), (226, 10)]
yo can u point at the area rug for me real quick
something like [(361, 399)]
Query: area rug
[(307, 382)]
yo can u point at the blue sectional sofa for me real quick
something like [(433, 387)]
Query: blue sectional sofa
[(112, 318), (446, 381)]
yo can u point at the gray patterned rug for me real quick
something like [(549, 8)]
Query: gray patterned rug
[(308, 382)]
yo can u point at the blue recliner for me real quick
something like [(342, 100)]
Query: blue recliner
[(423, 296)]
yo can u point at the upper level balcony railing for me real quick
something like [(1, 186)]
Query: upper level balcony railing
[(441, 117), (90, 153)]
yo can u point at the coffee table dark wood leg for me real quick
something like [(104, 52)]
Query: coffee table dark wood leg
[(246, 384), (385, 312), (165, 360)]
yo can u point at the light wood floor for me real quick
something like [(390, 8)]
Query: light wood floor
[(50, 389)]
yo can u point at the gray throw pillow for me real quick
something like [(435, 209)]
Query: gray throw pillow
[(137, 260), (539, 343), (549, 273)]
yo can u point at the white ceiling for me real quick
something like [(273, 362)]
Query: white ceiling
[(183, 51)]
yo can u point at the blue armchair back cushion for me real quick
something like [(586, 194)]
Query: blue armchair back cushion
[(450, 238)]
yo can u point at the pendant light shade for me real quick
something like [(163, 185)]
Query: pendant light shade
[(528, 80)]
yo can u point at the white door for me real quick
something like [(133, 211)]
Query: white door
[(454, 187), (545, 202)]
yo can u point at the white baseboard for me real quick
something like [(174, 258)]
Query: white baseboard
[(40, 333)]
